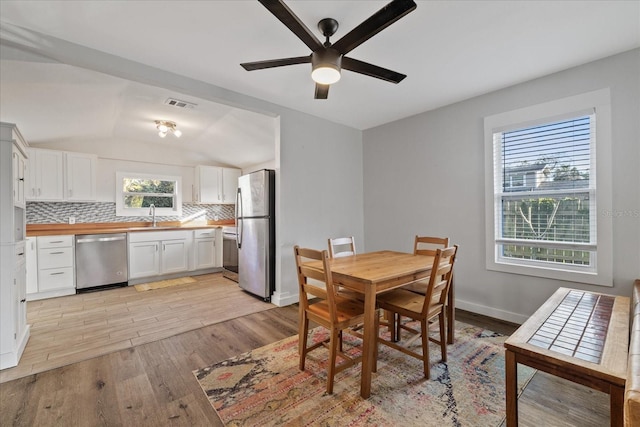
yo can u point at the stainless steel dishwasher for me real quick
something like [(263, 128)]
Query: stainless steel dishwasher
[(101, 259)]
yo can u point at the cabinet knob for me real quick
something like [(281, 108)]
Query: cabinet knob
[(23, 300)]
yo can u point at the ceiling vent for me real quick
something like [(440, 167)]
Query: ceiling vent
[(180, 104)]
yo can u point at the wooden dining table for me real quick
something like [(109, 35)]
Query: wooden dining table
[(374, 273)]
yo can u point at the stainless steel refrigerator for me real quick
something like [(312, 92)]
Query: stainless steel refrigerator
[(255, 220)]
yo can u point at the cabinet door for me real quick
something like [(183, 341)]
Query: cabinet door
[(32, 265), (19, 170), (144, 259), (80, 176), (205, 253), (48, 174), (20, 299), (208, 184), (230, 184), (174, 256)]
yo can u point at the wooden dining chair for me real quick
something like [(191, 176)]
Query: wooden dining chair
[(422, 308), (426, 245), (333, 311), (342, 246)]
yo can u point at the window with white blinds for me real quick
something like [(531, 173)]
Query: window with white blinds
[(543, 196)]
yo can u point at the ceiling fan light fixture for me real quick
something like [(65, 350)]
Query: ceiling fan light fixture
[(326, 65), (166, 126)]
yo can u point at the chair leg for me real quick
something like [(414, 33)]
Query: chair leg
[(333, 347), (302, 340), (375, 349), (443, 336), (398, 319), (425, 347), (391, 322)]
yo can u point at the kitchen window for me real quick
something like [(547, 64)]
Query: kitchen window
[(548, 190), (136, 192)]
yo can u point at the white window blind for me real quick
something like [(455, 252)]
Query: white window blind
[(544, 183)]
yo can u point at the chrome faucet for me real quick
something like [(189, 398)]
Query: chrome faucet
[(152, 211)]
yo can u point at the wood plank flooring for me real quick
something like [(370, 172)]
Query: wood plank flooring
[(151, 384), (78, 327)]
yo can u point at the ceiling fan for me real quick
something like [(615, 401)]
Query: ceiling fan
[(328, 59)]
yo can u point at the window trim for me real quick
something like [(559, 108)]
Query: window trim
[(144, 212), (598, 101)]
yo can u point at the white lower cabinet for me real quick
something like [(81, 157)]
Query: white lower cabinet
[(144, 259), (153, 253), (54, 272), (204, 249)]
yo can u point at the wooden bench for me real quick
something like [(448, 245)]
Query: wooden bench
[(579, 336), (632, 386)]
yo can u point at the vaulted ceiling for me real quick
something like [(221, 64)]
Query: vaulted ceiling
[(450, 51)]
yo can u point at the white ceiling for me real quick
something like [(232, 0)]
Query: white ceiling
[(450, 50)]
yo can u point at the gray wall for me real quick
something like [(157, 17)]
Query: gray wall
[(425, 175)]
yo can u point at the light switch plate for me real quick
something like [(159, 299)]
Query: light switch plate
[(72, 220)]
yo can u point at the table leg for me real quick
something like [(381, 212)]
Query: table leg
[(616, 400), (369, 341), (451, 313), (511, 388)]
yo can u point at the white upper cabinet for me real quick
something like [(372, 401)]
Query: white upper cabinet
[(216, 185), (58, 175), (207, 184), (46, 175), (19, 170), (81, 176), (230, 184)]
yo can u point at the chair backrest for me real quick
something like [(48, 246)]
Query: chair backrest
[(342, 246), (425, 245), (440, 279), (321, 273)]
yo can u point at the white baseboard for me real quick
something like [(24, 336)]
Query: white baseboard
[(491, 312), (282, 299)]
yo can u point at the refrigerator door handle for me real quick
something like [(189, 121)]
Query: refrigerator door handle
[(239, 214)]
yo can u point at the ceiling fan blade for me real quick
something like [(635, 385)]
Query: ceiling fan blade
[(322, 91), (260, 65), (373, 25), (291, 21), (371, 70)]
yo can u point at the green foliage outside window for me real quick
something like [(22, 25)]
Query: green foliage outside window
[(142, 193)]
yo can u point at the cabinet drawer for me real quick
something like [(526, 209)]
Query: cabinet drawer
[(55, 278), (205, 233), (55, 258), (55, 241)]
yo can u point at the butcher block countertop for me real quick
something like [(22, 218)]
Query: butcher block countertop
[(118, 227)]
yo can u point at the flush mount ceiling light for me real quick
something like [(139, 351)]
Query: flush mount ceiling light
[(166, 126)]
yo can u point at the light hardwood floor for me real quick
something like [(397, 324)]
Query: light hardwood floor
[(78, 327), (152, 384)]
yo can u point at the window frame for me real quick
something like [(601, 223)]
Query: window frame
[(597, 103), (121, 210)]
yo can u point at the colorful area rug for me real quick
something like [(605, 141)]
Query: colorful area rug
[(265, 387), (164, 283)]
